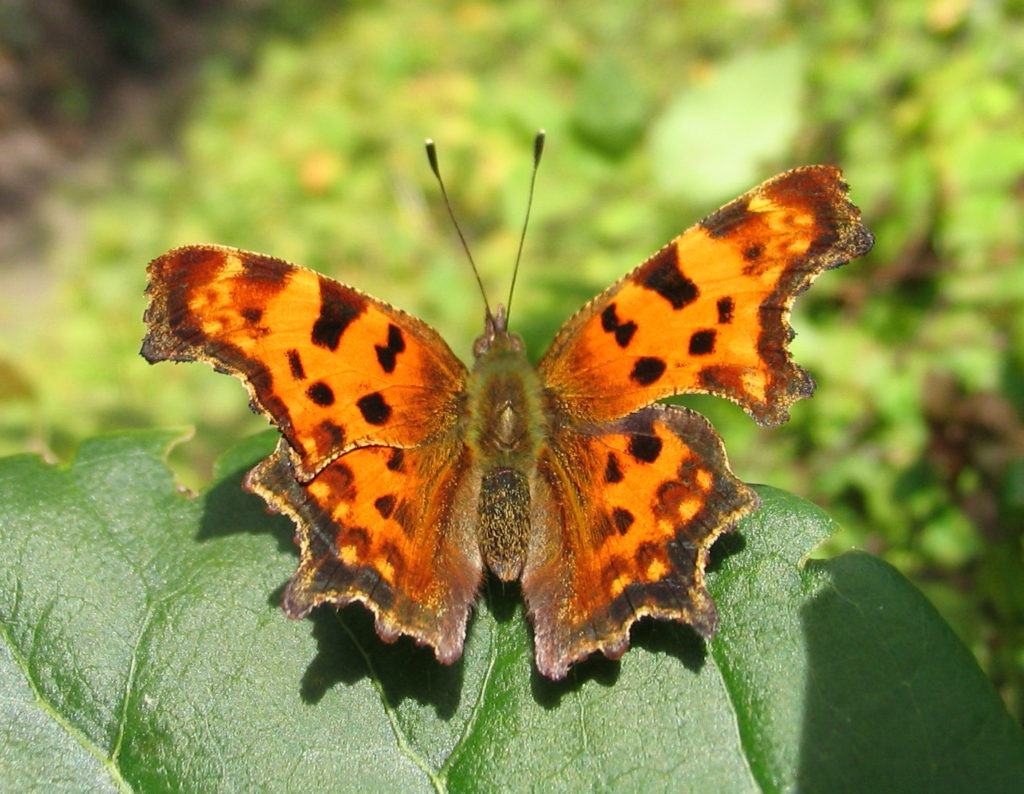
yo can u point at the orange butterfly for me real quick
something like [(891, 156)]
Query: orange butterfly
[(408, 474)]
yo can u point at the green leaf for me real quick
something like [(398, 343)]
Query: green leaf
[(611, 108), (716, 136), (143, 649)]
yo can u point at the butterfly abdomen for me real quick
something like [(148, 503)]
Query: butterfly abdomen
[(504, 521)]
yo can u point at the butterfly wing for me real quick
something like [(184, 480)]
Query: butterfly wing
[(624, 520), (367, 399), (710, 311), (332, 368), (630, 496), (381, 525)]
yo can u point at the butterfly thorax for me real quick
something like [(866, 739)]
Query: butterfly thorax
[(505, 430)]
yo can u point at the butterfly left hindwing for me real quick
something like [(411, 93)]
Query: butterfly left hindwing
[(380, 525)]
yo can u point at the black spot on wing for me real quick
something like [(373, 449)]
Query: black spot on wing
[(643, 448), (342, 483), (321, 394), (666, 279), (330, 435), (647, 370), (374, 408), (610, 323), (622, 519), (726, 307), (337, 311), (252, 314), (295, 365), (385, 505), (753, 252), (703, 342), (612, 469), (387, 355), (397, 460)]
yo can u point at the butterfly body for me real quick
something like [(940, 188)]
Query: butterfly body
[(505, 429), (408, 476)]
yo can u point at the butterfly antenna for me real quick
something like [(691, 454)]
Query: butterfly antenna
[(432, 158), (538, 150)]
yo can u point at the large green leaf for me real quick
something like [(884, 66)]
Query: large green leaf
[(143, 649)]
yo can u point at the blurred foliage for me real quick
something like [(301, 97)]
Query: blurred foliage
[(300, 134)]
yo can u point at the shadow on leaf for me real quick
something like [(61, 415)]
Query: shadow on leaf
[(230, 509), (647, 636), (726, 545), (348, 649)]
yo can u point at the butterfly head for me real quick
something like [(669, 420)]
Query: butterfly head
[(496, 339)]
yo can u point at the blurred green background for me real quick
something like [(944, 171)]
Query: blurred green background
[(296, 129)]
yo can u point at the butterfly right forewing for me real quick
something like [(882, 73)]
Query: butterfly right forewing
[(709, 312)]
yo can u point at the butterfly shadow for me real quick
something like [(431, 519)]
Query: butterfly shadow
[(349, 650), (229, 509), (504, 601), (646, 636)]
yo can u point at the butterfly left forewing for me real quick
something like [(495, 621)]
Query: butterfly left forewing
[(709, 312), (624, 520), (331, 367)]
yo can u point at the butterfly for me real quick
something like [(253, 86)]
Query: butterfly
[(409, 476)]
